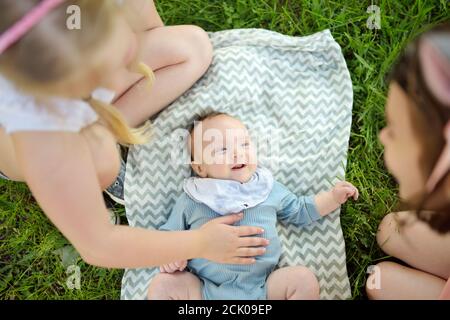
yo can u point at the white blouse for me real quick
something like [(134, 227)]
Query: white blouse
[(23, 112)]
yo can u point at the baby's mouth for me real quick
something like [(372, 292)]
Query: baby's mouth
[(238, 167)]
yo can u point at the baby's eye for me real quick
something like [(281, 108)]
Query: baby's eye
[(246, 144), (221, 151)]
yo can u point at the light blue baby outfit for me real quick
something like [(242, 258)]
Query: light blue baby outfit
[(240, 282)]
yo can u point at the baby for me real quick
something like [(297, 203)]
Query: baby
[(228, 181)]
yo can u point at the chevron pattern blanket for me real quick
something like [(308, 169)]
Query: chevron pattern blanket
[(295, 93)]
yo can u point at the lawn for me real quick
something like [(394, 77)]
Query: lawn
[(29, 268)]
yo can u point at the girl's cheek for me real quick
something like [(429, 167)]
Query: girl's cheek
[(398, 167), (387, 162)]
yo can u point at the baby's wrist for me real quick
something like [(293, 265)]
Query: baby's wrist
[(333, 199), (325, 203)]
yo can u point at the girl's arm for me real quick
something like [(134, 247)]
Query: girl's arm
[(142, 15), (445, 294), (61, 174), (179, 56)]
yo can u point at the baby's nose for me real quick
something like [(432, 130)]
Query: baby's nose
[(239, 154)]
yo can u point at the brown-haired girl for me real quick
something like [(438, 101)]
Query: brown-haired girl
[(417, 153)]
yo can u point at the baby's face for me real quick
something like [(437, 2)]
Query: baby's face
[(222, 149)]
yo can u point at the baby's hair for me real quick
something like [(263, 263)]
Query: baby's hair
[(50, 57), (196, 122), (204, 117)]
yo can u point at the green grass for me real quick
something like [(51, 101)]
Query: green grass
[(30, 270)]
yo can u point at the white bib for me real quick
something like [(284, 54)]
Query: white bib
[(230, 196)]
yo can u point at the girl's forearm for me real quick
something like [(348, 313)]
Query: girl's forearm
[(127, 247)]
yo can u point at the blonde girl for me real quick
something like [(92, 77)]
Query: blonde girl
[(58, 130)]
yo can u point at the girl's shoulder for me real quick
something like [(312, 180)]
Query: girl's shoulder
[(20, 111)]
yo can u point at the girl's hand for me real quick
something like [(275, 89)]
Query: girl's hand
[(223, 243), (172, 267), (344, 190)]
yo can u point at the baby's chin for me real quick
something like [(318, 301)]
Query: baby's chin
[(243, 174)]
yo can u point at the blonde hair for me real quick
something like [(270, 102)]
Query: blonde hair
[(48, 59)]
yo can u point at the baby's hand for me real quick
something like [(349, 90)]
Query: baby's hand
[(344, 190), (174, 266)]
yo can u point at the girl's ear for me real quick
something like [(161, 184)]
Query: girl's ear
[(199, 170)]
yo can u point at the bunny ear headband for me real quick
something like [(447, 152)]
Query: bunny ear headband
[(434, 55), (26, 23)]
